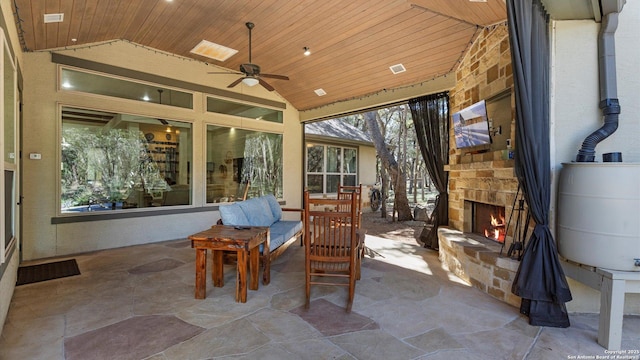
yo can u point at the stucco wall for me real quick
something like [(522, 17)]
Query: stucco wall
[(575, 113), (41, 131), (367, 165)]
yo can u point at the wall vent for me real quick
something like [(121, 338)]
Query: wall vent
[(53, 18), (398, 68)]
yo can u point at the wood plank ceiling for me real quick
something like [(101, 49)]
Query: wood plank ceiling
[(353, 43)]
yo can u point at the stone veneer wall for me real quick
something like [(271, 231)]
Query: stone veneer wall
[(484, 176)]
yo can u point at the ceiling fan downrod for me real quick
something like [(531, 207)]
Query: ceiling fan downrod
[(250, 26)]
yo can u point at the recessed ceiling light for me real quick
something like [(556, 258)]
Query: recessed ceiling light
[(307, 51), (320, 92), (52, 18), (398, 68), (213, 50)]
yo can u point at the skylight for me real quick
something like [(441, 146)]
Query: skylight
[(213, 50)]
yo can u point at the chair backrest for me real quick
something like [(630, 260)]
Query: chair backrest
[(243, 189), (330, 231), (347, 191)]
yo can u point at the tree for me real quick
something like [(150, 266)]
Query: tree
[(104, 166), (397, 173)]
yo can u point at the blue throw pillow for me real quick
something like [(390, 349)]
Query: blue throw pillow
[(257, 211), (233, 215), (276, 210)]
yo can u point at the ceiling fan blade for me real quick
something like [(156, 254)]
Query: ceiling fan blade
[(274, 76), (235, 83), (266, 85), (224, 72)]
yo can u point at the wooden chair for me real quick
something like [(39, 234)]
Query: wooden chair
[(332, 244), (345, 191)]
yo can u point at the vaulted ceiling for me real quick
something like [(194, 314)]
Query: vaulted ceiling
[(353, 43)]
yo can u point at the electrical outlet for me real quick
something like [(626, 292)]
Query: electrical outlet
[(35, 156)]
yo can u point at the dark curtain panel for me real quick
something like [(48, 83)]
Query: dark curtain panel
[(540, 281), (431, 119)]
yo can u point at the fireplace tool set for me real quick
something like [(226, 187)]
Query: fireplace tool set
[(520, 228)]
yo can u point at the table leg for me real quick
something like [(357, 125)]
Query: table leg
[(217, 268), (254, 267), (201, 273), (266, 275), (241, 278)]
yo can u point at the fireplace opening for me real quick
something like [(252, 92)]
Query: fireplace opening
[(489, 221)]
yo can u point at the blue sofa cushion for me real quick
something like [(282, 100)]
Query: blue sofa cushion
[(282, 231), (233, 215), (286, 228), (257, 211), (275, 207)]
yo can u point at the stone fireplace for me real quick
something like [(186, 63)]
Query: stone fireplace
[(481, 185), (483, 174)]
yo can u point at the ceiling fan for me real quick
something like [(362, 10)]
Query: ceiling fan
[(252, 75)]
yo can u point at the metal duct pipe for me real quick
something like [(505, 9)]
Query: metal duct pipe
[(608, 88)]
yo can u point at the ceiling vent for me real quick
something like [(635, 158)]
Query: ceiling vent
[(53, 18), (213, 51), (320, 92), (398, 68)]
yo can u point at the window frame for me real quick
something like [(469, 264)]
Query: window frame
[(324, 173), (12, 166), (242, 103), (205, 163), (60, 87), (61, 215)]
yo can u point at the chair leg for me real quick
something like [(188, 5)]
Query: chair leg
[(352, 291), (307, 291), (358, 265)]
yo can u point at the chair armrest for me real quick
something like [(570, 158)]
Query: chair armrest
[(301, 211), (293, 209)]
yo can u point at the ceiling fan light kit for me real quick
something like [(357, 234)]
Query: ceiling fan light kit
[(251, 72), (249, 81)]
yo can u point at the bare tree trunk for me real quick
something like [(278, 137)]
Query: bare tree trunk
[(396, 173), (384, 192), (414, 180)]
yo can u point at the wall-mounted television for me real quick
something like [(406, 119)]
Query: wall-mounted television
[(471, 126)]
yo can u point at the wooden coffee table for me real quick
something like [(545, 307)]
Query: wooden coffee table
[(245, 241)]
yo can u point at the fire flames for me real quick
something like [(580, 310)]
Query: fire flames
[(497, 229)]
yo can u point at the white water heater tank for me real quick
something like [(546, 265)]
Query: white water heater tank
[(599, 214)]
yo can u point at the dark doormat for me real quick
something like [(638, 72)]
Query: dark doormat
[(43, 272)]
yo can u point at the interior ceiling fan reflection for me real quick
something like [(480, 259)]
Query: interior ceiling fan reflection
[(251, 72)]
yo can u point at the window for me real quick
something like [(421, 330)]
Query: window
[(243, 110), (114, 161), (239, 160), (8, 187), (75, 80), (329, 167)]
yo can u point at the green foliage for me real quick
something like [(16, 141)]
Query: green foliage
[(105, 165)]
